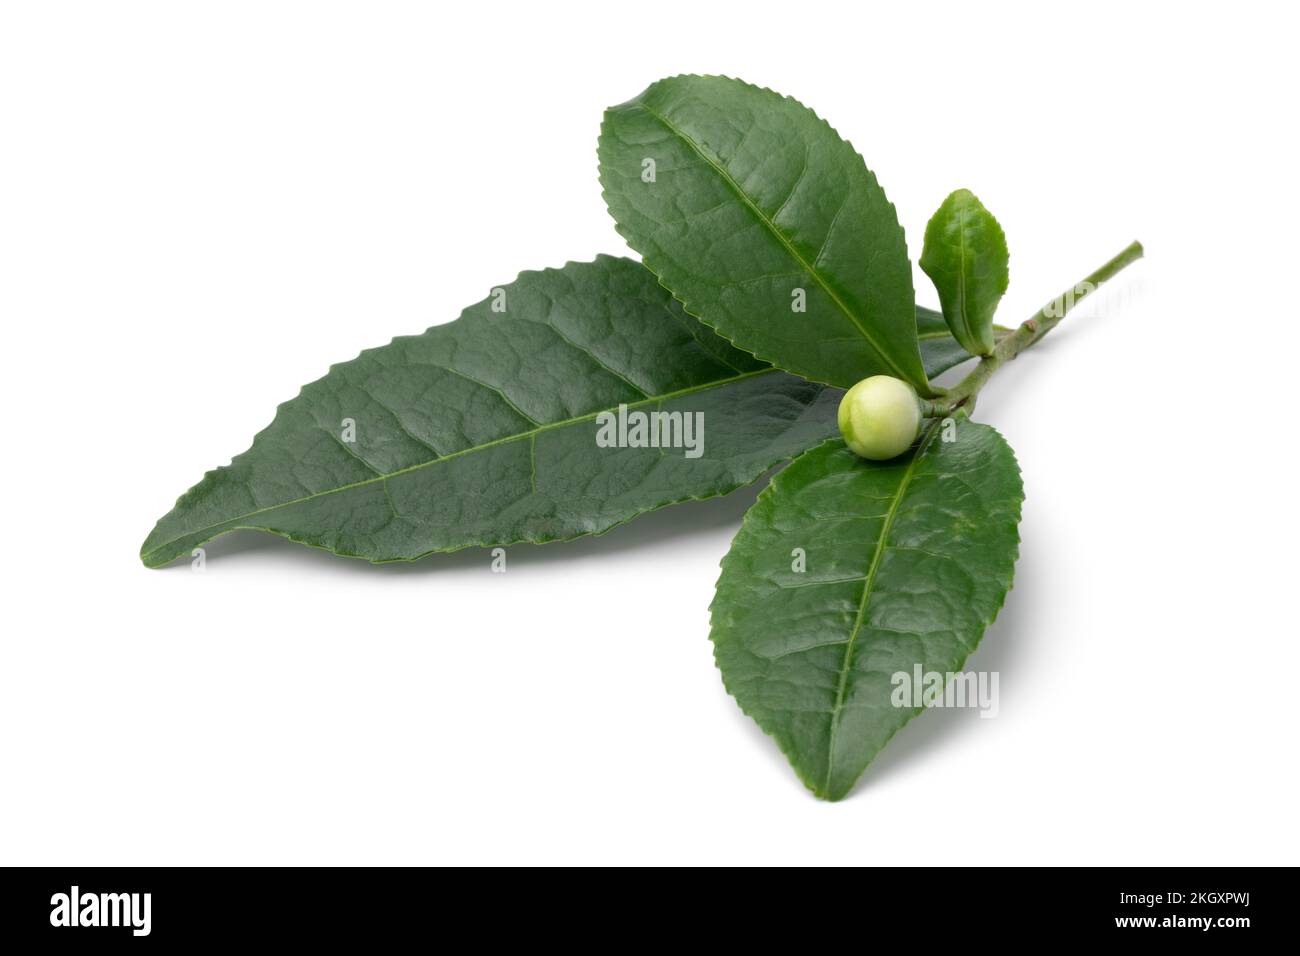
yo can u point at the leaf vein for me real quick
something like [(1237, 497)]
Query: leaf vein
[(865, 599), (233, 521), (781, 237)]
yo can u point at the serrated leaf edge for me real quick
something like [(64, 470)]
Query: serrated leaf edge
[(770, 490), (1006, 279), (299, 539), (650, 263)]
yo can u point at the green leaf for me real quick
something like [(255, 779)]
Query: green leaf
[(939, 350), (484, 431), (748, 207), (965, 255), (907, 562)]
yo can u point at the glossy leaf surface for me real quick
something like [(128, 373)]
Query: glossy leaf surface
[(483, 431), (905, 563), (966, 258), (766, 225)]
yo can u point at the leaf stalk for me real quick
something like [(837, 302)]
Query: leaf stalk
[(1030, 331)]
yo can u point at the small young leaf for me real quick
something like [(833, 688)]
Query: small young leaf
[(766, 225), (904, 562), (965, 255), (484, 431)]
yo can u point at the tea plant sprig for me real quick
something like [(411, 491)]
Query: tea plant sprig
[(886, 546), (1032, 330)]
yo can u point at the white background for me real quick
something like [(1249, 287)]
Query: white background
[(203, 206)]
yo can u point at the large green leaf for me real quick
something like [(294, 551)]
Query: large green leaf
[(484, 431), (965, 255), (748, 206), (907, 562)]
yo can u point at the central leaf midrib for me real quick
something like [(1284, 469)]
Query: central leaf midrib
[(780, 236), (867, 585), (962, 305), (531, 433)]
